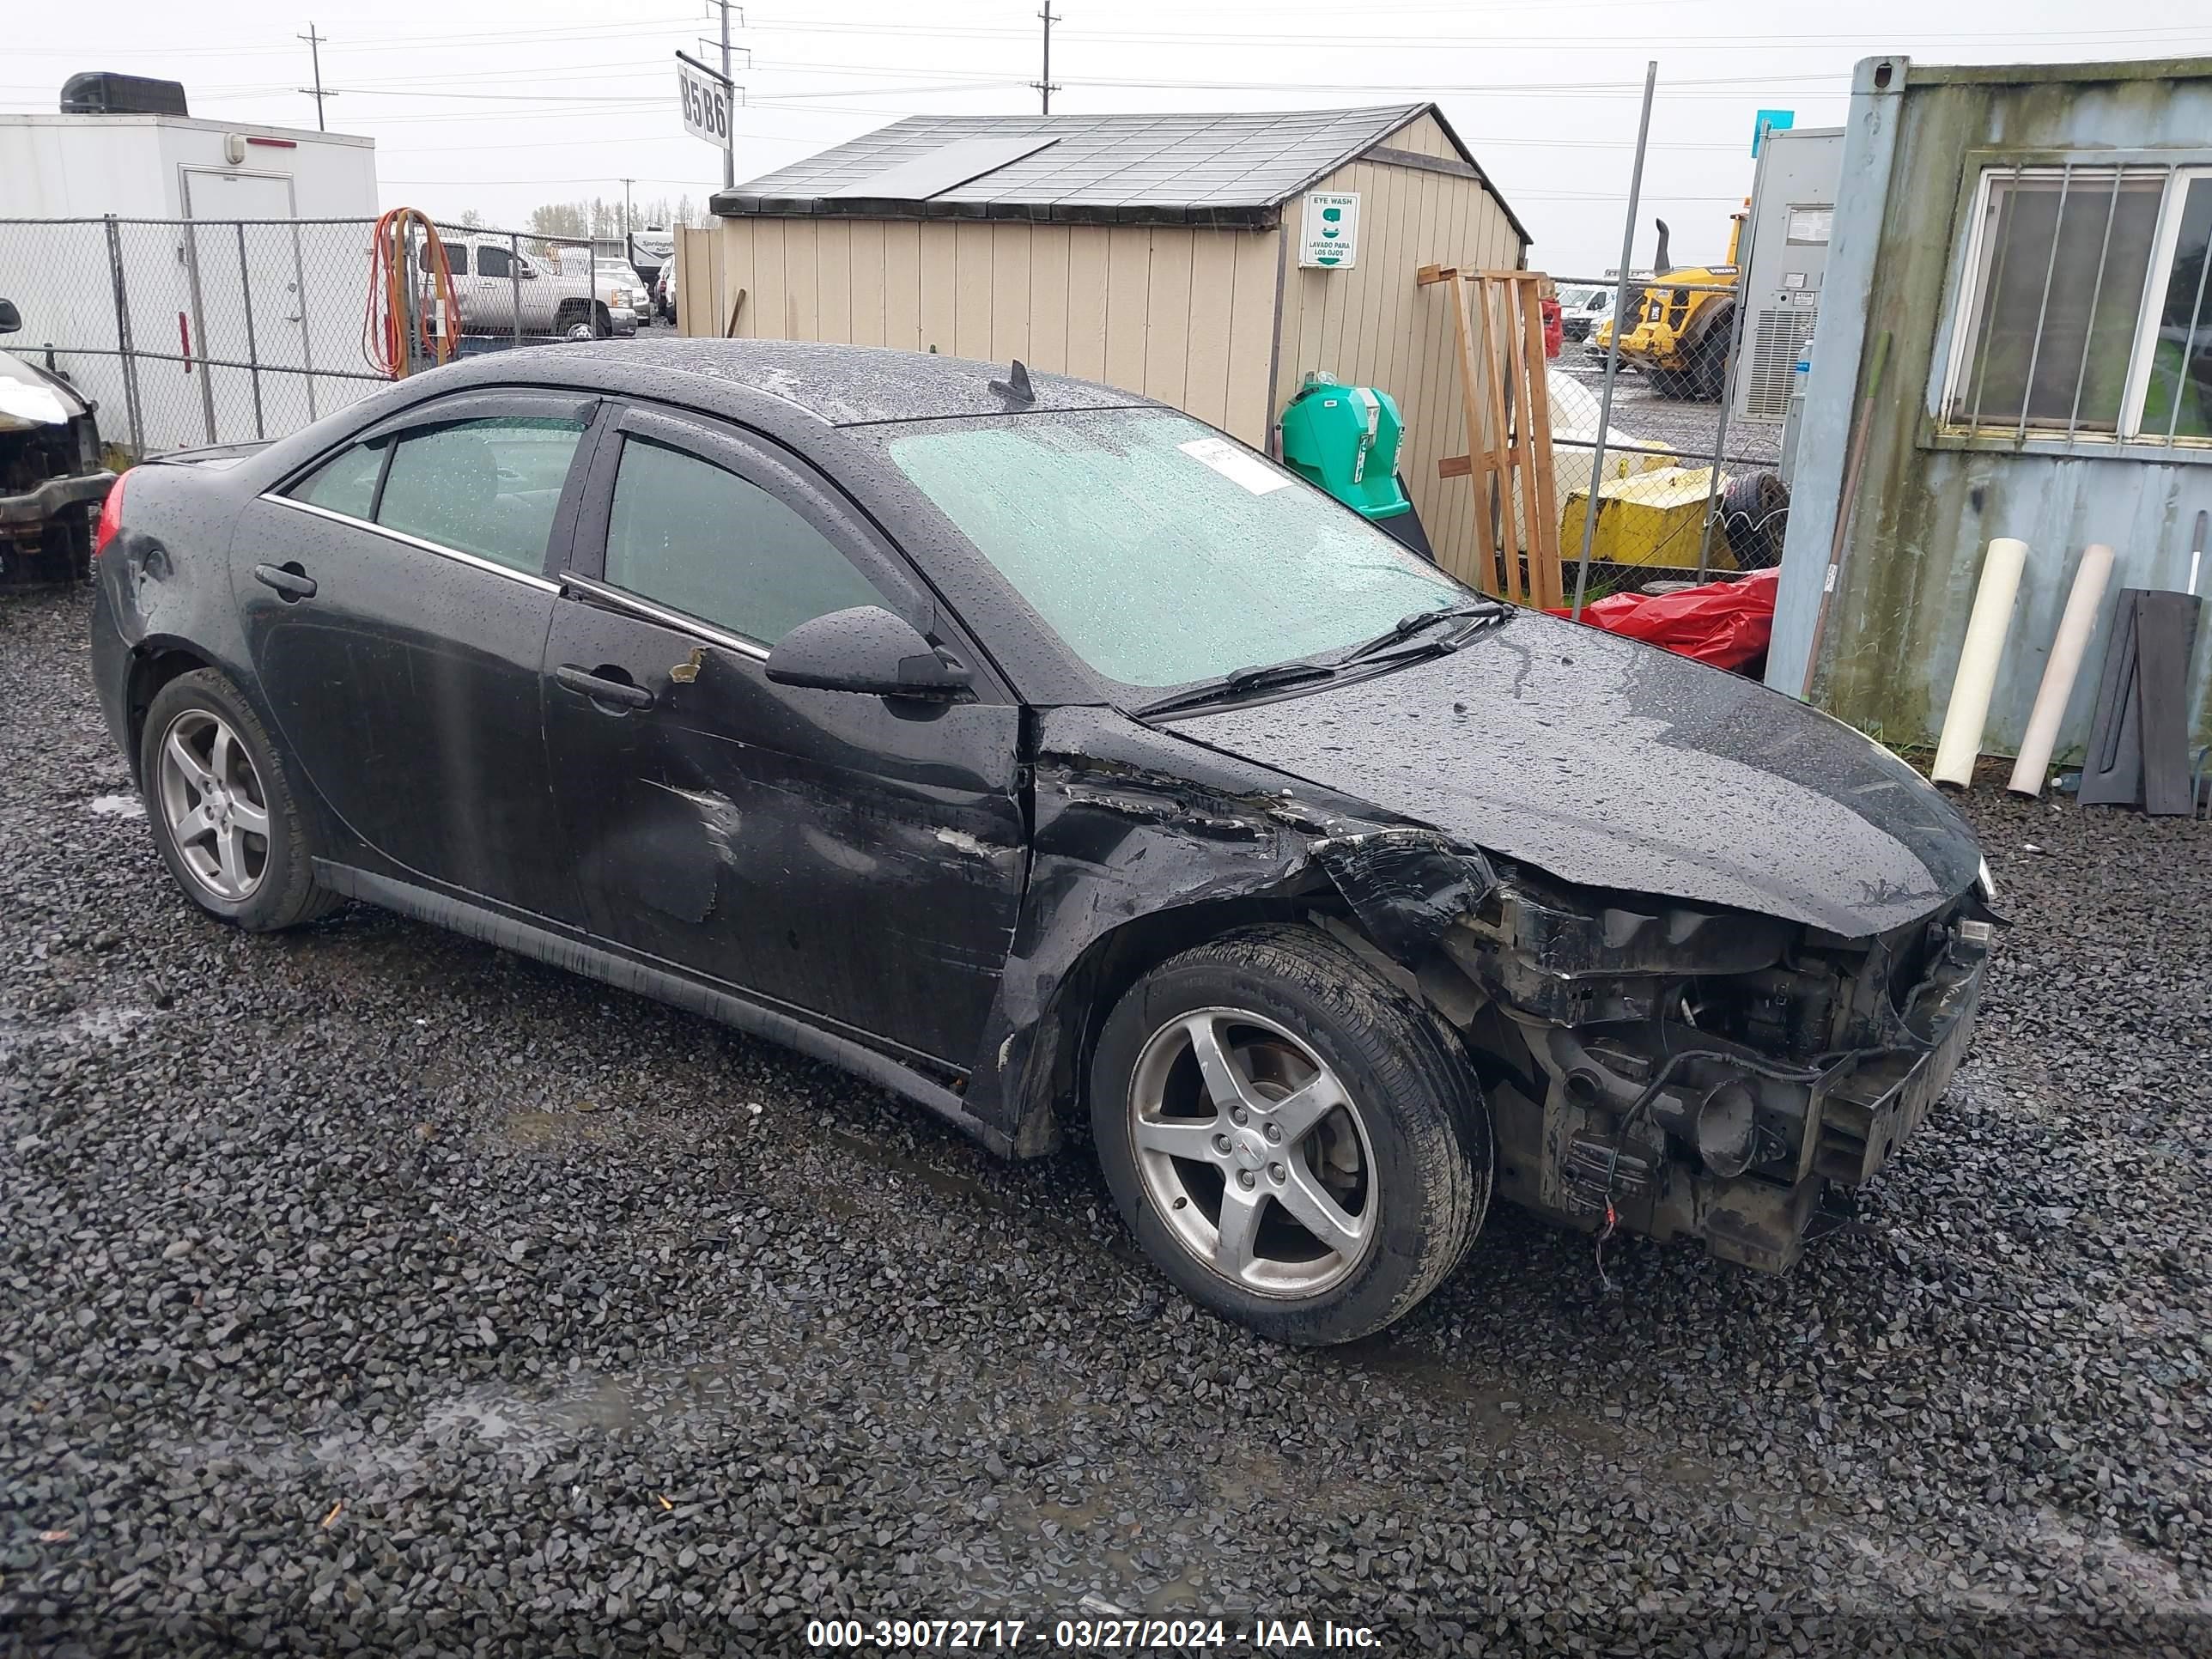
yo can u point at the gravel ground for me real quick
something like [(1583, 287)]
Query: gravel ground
[(1689, 426), (367, 1288)]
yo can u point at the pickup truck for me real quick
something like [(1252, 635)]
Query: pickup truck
[(502, 291)]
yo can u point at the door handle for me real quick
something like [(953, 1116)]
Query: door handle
[(600, 689), (292, 583)]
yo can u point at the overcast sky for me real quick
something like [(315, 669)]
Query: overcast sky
[(499, 105)]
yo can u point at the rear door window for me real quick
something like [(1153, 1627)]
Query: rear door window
[(698, 538), (487, 487)]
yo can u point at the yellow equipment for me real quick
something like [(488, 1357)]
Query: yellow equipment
[(1653, 519), (1682, 326)]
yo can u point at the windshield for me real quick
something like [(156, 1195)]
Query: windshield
[(1160, 551)]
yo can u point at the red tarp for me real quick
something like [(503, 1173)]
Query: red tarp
[(1724, 623)]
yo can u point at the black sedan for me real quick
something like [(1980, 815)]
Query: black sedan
[(1042, 755)]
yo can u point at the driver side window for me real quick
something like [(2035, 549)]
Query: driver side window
[(698, 538)]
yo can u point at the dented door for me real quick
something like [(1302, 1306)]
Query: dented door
[(857, 859)]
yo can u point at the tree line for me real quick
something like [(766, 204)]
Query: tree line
[(599, 217)]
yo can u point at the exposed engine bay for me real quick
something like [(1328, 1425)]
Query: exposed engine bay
[(52, 478), (1691, 1072)]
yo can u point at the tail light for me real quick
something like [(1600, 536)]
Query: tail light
[(110, 515)]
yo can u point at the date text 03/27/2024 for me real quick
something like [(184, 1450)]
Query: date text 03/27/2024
[(1089, 1635)]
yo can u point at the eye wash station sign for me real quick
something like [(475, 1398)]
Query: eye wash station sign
[(1329, 239)]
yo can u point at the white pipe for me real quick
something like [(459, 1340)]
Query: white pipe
[(1986, 628), (2074, 630)]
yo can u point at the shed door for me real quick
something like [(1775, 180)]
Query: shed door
[(243, 287)]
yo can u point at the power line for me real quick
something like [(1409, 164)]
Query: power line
[(376, 43)]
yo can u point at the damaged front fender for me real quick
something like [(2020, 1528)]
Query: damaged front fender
[(1407, 886), (1144, 843)]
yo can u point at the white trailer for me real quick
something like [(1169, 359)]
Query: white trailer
[(202, 246)]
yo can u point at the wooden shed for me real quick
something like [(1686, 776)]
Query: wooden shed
[(1157, 252)]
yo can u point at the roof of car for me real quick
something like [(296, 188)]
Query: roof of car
[(841, 385)]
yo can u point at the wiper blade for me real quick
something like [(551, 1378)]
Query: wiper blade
[(1238, 682), (1482, 610)]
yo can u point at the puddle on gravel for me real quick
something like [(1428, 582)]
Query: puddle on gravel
[(79, 1026), (538, 1132), (117, 806), (951, 1184)]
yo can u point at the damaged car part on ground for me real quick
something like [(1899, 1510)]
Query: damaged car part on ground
[(52, 476), (1052, 759)]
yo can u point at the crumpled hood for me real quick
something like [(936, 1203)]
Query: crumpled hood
[(28, 398), (1613, 764)]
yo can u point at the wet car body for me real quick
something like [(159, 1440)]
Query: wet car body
[(1707, 950)]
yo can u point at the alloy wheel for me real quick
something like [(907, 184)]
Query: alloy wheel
[(1253, 1151), (213, 802)]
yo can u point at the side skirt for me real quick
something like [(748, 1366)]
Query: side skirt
[(526, 939)]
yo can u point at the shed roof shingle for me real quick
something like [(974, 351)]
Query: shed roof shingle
[(1230, 168)]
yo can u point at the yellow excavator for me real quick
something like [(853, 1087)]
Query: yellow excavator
[(1683, 323)]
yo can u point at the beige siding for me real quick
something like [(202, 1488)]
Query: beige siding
[(1213, 316), (1014, 299), (1048, 295), (1086, 299), (1423, 137), (1374, 325), (903, 285), (939, 287), (1187, 316), (871, 266)]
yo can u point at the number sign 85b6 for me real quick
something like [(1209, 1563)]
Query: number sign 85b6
[(706, 107)]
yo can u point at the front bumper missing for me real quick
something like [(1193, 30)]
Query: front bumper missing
[(1682, 1134)]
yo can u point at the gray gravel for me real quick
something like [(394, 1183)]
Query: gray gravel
[(365, 1289), (1689, 426)]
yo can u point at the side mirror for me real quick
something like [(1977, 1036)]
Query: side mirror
[(10, 319), (866, 650)]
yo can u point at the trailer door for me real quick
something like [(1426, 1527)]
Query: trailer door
[(242, 272)]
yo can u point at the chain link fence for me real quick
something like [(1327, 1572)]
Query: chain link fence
[(1689, 485), (194, 331)]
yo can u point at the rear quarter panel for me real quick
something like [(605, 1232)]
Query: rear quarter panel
[(163, 584)]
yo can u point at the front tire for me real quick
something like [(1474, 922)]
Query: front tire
[(225, 819), (1294, 1141)]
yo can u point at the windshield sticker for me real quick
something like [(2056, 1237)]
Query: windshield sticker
[(1235, 465)]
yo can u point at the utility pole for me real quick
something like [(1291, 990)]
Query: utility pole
[(729, 156), (315, 51), (1045, 87), (630, 241)]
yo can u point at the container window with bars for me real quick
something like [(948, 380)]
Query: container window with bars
[(2086, 314)]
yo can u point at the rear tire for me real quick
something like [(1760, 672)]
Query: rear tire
[(224, 817), (1316, 1169), (1708, 372)]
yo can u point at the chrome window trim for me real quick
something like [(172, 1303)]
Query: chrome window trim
[(626, 600), (475, 560)]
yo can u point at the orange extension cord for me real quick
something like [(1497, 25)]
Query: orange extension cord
[(384, 325)]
